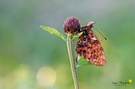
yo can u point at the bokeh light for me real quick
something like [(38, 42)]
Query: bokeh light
[(46, 76)]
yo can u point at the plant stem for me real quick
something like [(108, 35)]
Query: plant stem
[(72, 61)]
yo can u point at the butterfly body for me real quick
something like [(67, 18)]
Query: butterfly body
[(89, 46)]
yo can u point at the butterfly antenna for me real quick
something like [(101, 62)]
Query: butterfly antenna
[(101, 34)]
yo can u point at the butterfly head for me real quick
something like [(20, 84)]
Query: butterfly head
[(90, 24)]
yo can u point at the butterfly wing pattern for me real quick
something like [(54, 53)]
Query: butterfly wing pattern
[(89, 46)]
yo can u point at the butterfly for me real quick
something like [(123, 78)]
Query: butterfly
[(89, 46)]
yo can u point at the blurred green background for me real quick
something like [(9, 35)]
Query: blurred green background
[(31, 58)]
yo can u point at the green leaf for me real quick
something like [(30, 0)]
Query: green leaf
[(52, 31), (82, 62), (77, 36)]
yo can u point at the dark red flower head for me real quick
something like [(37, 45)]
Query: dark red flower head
[(71, 25)]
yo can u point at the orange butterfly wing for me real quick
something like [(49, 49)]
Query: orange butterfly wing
[(90, 48)]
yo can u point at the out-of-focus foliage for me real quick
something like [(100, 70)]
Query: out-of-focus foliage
[(30, 58)]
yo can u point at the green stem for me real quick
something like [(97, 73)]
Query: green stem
[(72, 61)]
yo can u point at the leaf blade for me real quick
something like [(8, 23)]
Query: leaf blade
[(82, 62), (52, 31), (77, 36)]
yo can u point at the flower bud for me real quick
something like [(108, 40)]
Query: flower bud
[(71, 25)]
